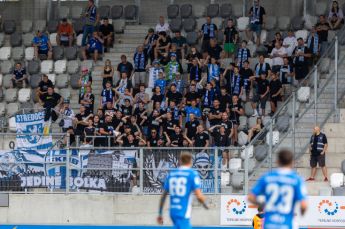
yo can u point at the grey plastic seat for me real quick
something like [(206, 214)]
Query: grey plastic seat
[(116, 12), (260, 152), (78, 26), (104, 11), (26, 26), (130, 12), (52, 26), (284, 23), (73, 66), (6, 81), (6, 66), (35, 98), (63, 12), (40, 25), (339, 191), (173, 11), (76, 11), (27, 107), (65, 93), (297, 23), (175, 25), (271, 22), (119, 25), (2, 39), (35, 79), (343, 167), (322, 8), (283, 123), (237, 10), (186, 10), (16, 39), (3, 107), (237, 180), (212, 10), (192, 38), (9, 26), (189, 24), (87, 64), (27, 39), (74, 81), (11, 95), (324, 66), (71, 53), (62, 81), (225, 10), (33, 67), (17, 53), (12, 109), (58, 53)]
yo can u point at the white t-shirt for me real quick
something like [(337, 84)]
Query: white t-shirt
[(292, 43), (278, 60), (165, 27)]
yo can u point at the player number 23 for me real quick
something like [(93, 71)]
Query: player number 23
[(280, 198), (178, 186)]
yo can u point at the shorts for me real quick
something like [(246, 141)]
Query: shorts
[(181, 223), (229, 47), (262, 101), (255, 28), (301, 72), (314, 160), (275, 100), (92, 50), (43, 52)]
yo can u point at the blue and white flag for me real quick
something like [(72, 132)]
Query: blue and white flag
[(33, 127)]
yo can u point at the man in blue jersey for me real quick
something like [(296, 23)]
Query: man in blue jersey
[(282, 189), (180, 184), (94, 46), (42, 45)]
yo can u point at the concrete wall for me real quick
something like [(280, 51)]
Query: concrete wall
[(96, 209)]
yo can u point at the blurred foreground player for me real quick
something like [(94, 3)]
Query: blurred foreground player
[(282, 189), (180, 184)]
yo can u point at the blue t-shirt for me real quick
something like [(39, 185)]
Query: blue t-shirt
[(95, 44), (42, 42), (180, 184), (19, 73), (192, 110), (282, 189), (161, 83)]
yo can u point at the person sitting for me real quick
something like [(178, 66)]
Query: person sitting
[(107, 34), (51, 102), (255, 129), (163, 45), (19, 76), (65, 34), (162, 26), (335, 16), (43, 85), (94, 46), (181, 44), (42, 45)]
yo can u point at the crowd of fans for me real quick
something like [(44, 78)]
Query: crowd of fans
[(198, 105)]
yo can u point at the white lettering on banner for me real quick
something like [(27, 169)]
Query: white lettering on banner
[(30, 117), (55, 181), (323, 211)]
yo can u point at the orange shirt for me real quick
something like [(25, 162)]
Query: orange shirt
[(65, 29)]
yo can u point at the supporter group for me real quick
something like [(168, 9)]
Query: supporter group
[(172, 94)]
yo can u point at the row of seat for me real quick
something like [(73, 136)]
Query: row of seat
[(212, 10)]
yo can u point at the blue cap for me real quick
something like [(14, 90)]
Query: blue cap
[(155, 62), (172, 54)]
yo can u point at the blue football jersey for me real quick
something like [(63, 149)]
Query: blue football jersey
[(180, 184), (282, 189)]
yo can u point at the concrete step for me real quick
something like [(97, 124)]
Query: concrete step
[(140, 31)]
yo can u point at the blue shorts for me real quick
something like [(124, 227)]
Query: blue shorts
[(255, 28), (92, 50), (181, 223)]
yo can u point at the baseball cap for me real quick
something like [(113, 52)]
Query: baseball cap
[(172, 54), (84, 69), (151, 30), (66, 101)]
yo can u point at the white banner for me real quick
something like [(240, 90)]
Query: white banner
[(323, 211), (33, 127)]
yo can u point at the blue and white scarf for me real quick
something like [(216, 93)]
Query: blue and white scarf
[(242, 56), (213, 72), (235, 84), (283, 71), (300, 58), (208, 98), (315, 43), (139, 61), (255, 19), (122, 86), (196, 71), (154, 74), (260, 68), (209, 29), (107, 95)]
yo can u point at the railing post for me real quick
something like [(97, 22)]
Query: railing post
[(244, 8), (216, 165), (293, 121), (315, 95), (270, 145), (304, 8), (68, 164), (141, 170), (246, 172), (336, 75)]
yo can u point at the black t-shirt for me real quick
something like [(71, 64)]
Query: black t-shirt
[(44, 85), (164, 43), (152, 123), (89, 131), (224, 101), (50, 101), (314, 150), (215, 51), (19, 73), (275, 86), (153, 140), (129, 85), (126, 110), (284, 71), (302, 61), (215, 111), (126, 143), (137, 113), (191, 127), (127, 67), (192, 95), (79, 130), (200, 139), (108, 126), (262, 13), (228, 126), (246, 73), (169, 124), (262, 68), (323, 34), (157, 98), (221, 140), (230, 33), (177, 97), (176, 139), (262, 85), (90, 98), (233, 114), (106, 30)]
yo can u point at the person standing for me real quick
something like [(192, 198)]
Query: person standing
[(91, 19), (258, 219), (318, 148), (208, 31), (257, 16), (302, 55), (230, 38)]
